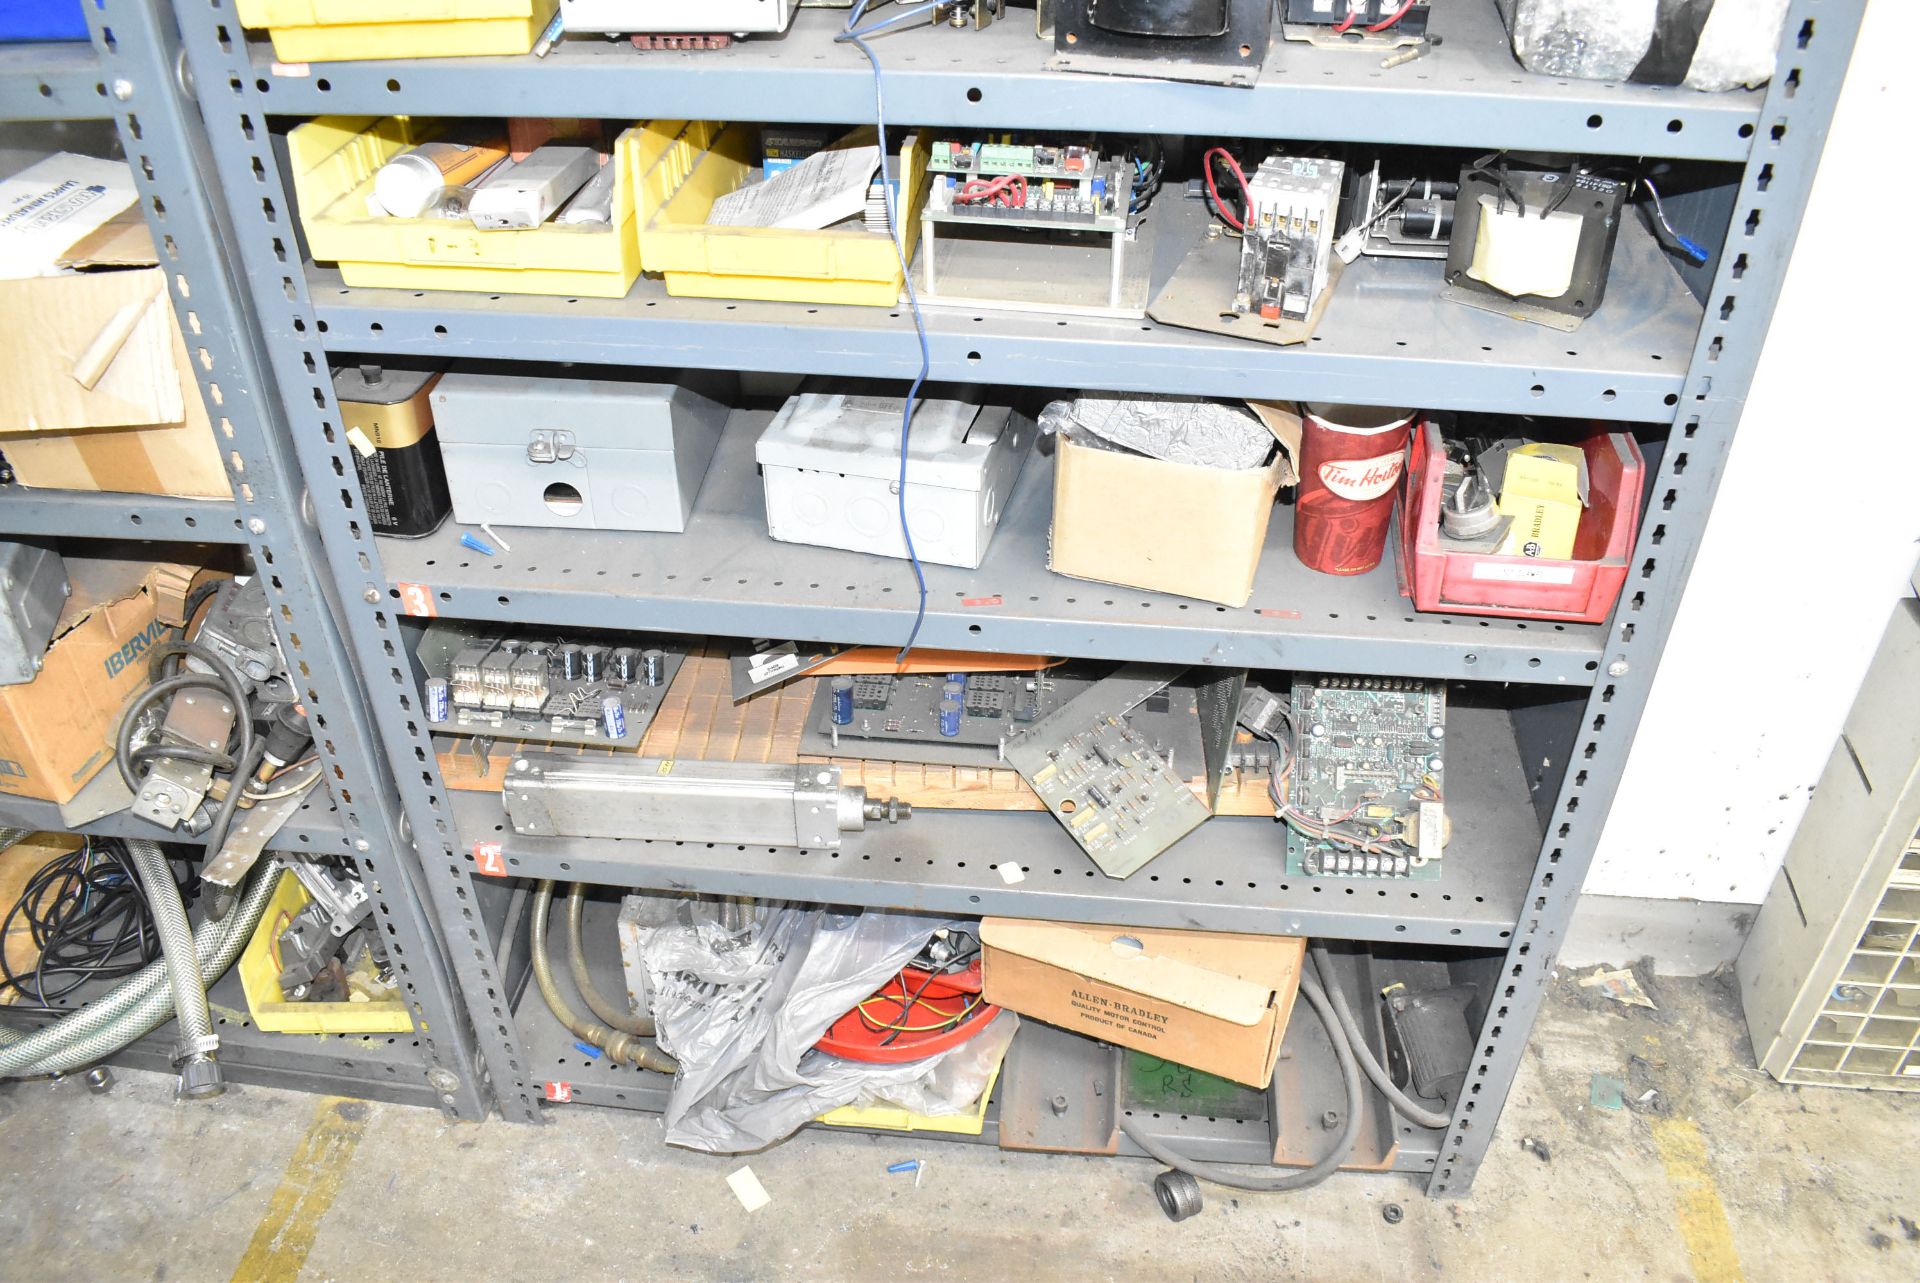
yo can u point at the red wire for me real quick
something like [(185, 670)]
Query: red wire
[(1000, 191), (1353, 12), (1206, 165), (1384, 23)]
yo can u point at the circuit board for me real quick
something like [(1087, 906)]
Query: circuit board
[(546, 688), (1034, 185), (897, 718), (1101, 779), (1368, 758)]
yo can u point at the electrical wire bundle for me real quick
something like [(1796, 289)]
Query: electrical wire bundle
[(1691, 248), (1149, 168), (87, 915), (1008, 191), (1354, 8), (935, 1003), (1221, 156), (1342, 830)]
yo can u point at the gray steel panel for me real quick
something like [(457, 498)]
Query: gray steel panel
[(725, 576), (1816, 42), (52, 80), (314, 828), (1228, 875), (169, 151), (118, 516), (1388, 338), (1469, 92)]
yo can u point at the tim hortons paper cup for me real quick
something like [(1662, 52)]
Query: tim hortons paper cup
[(1351, 461)]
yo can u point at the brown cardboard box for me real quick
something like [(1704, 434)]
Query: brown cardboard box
[(141, 427), (1209, 1000), (1177, 528), (56, 731)]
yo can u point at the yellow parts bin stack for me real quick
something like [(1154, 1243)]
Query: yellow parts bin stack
[(340, 30), (271, 1011)]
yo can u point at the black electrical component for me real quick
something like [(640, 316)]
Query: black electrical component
[(1213, 40), (1360, 17), (1533, 237)]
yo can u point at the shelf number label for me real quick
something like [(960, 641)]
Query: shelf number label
[(487, 859), (560, 1093), (417, 600), (972, 603)]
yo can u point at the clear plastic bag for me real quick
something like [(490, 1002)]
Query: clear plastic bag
[(1609, 39), (741, 1012)]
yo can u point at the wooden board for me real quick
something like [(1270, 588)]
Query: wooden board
[(698, 720)]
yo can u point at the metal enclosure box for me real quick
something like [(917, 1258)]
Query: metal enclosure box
[(686, 17), (33, 589), (1830, 976), (831, 464), (615, 453)]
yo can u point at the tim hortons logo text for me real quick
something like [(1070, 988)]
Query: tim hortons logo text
[(1362, 478)]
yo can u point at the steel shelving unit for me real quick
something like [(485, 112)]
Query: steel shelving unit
[(130, 74), (1671, 352)]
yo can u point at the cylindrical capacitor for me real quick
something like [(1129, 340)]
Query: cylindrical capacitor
[(625, 663), (613, 717), (957, 677), (653, 667), (953, 690), (1428, 219), (593, 662), (437, 700), (949, 717), (842, 690), (569, 657)]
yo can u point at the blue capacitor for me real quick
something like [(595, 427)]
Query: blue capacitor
[(842, 689), (613, 717), (953, 690), (949, 717), (957, 677), (1099, 186), (437, 699)]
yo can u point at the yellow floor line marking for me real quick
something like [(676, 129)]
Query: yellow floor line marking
[(1696, 1201), (313, 1178)]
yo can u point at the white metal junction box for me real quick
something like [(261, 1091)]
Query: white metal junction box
[(831, 464), (675, 17), (616, 452)]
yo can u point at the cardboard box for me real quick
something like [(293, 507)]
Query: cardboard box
[(1199, 532), (99, 390), (1209, 1000), (1544, 490), (56, 731)]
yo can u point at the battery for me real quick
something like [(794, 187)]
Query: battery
[(389, 422), (842, 689), (437, 700), (613, 717), (950, 717)]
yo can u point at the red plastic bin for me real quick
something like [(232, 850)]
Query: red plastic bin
[(1582, 590)]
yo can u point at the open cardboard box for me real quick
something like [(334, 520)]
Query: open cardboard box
[(1217, 1001), (98, 387), (56, 732), (1200, 531)]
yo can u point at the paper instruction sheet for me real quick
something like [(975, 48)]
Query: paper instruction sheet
[(825, 188)]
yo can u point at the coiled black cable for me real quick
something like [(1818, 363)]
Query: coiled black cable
[(88, 917)]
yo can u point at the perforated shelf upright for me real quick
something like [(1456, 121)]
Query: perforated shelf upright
[(131, 74), (1670, 352)]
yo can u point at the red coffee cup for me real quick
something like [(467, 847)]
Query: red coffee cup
[(1351, 458)]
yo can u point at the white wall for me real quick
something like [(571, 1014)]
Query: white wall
[(1813, 536)]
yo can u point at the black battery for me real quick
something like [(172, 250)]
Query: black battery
[(389, 424)]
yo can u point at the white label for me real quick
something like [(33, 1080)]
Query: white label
[(818, 192), (1011, 872), (1522, 573), (1363, 478), (762, 667), (47, 208)]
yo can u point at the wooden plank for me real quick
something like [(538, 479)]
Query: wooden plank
[(699, 721)]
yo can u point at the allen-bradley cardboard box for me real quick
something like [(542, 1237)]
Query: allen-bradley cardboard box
[(1210, 1000), (97, 389), (56, 732), (1125, 518)]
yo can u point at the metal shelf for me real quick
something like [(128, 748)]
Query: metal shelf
[(366, 1066), (1388, 338), (118, 516), (54, 80), (1469, 92), (1227, 876), (315, 828), (725, 576)]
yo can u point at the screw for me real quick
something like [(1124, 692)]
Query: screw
[(1618, 668), (371, 596), (361, 844), (257, 526), (1330, 1119), (99, 1080), (1392, 1214), (448, 1101), (1058, 1104), (123, 89)]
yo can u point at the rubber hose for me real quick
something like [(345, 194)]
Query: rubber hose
[(138, 1005), (161, 689), (609, 1014), (617, 1045), (1401, 1102), (235, 685), (183, 964), (1234, 1178), (217, 832)]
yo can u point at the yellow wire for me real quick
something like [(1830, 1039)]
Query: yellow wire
[(947, 1022)]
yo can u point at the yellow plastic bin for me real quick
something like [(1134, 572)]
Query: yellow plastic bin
[(342, 30), (707, 161), (892, 1119), (334, 159), (260, 977)]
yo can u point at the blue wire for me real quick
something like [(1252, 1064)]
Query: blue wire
[(855, 35)]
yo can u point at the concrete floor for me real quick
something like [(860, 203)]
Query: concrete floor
[(1740, 1178)]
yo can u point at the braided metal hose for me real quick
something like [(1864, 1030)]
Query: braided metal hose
[(199, 1072)]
